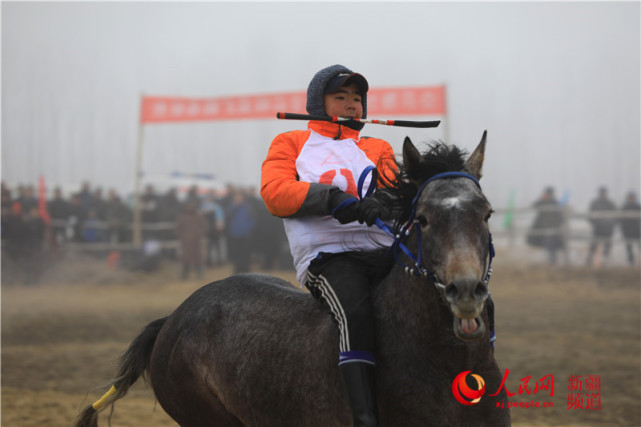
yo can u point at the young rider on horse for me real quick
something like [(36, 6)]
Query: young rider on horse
[(311, 178)]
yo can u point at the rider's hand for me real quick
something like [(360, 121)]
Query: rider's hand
[(343, 206), (389, 201), (370, 208)]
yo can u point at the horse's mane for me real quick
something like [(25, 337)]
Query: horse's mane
[(403, 185), (438, 158)]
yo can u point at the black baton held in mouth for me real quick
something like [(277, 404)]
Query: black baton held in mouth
[(403, 123)]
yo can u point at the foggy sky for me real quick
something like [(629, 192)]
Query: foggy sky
[(556, 85)]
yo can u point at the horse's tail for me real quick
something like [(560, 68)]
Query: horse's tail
[(133, 364)]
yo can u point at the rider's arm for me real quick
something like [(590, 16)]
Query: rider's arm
[(283, 194)]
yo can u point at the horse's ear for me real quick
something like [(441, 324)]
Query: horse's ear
[(412, 158), (474, 164)]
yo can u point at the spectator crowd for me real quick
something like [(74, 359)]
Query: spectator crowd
[(549, 229), (208, 228), (202, 228)]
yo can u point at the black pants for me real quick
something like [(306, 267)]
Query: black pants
[(344, 281)]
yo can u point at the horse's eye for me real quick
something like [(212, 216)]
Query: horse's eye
[(422, 221)]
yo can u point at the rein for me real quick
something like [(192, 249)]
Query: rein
[(418, 269)]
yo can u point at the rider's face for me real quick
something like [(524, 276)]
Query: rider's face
[(345, 102)]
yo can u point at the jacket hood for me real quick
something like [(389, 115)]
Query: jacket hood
[(316, 90)]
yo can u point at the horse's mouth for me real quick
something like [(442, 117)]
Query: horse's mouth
[(469, 329)]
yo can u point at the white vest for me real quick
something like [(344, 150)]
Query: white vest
[(339, 163)]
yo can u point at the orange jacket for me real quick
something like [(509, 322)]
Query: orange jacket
[(286, 196)]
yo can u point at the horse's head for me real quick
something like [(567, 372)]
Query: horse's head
[(451, 218)]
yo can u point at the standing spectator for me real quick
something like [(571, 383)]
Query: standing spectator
[(14, 248), (215, 217), (27, 198), (86, 197), (5, 191), (259, 250), (5, 227), (169, 207), (168, 210), (191, 228), (34, 238), (59, 210), (5, 202), (270, 238), (630, 226), (19, 193), (118, 217), (91, 231), (241, 224), (150, 213), (75, 220), (193, 196), (99, 205), (547, 229), (228, 195), (602, 227)]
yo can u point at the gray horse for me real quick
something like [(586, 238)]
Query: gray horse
[(253, 350)]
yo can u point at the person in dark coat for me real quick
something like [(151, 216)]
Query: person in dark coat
[(631, 226), (150, 212), (99, 205), (27, 198), (118, 217), (191, 229), (193, 196), (91, 228), (34, 238), (241, 224), (75, 220), (86, 197), (547, 229), (59, 211), (603, 224), (14, 248), (215, 215), (169, 207)]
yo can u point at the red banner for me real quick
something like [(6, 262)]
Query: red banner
[(427, 100)]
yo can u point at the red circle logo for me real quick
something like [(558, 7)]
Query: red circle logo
[(464, 393)]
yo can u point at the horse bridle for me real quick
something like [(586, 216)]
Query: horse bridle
[(412, 223)]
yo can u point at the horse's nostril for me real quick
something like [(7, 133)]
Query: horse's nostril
[(451, 292), (480, 291)]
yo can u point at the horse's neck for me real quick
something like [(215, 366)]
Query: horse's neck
[(413, 319)]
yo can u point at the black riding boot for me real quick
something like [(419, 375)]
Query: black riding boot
[(359, 379)]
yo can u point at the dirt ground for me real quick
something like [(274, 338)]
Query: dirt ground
[(61, 340)]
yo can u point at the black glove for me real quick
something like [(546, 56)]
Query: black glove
[(390, 201), (343, 206), (370, 208)]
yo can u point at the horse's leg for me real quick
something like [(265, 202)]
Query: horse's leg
[(191, 403)]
